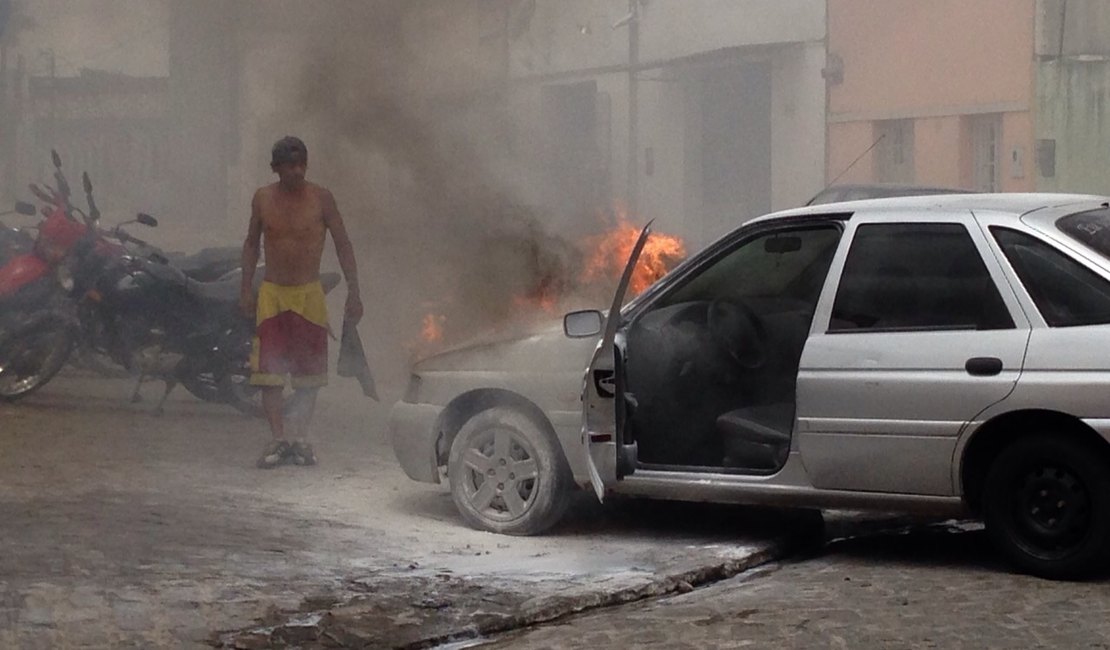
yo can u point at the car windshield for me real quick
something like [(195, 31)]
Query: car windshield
[(1091, 228)]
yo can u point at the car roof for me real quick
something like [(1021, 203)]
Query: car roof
[(880, 190), (1012, 203)]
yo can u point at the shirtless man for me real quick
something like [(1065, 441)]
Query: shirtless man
[(291, 218)]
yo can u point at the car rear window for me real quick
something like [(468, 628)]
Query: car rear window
[(1091, 228), (1066, 293)]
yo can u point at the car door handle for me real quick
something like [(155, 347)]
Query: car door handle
[(983, 366)]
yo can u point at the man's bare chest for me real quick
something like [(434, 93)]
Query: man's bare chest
[(289, 220)]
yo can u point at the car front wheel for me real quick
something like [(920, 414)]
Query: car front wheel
[(1046, 505), (508, 475)]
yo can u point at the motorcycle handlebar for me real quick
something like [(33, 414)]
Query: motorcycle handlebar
[(154, 254), (125, 237)]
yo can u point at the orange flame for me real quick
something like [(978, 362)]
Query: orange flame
[(432, 330), (605, 258), (610, 252)]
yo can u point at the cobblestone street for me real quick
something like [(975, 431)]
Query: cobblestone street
[(121, 528), (929, 588)]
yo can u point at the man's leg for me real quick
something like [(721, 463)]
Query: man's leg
[(278, 449), (272, 405), (303, 407)]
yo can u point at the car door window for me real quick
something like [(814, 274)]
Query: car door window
[(716, 357), (1065, 292), (916, 276), (781, 265)]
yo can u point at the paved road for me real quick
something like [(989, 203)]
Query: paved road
[(929, 588), (121, 528)]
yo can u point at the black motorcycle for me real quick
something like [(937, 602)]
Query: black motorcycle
[(161, 324)]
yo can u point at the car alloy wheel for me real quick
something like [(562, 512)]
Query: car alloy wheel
[(507, 474), (500, 473)]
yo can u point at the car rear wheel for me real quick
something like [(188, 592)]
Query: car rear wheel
[(507, 474), (1046, 505)]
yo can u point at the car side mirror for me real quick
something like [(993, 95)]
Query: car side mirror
[(583, 324), (25, 209), (146, 219)]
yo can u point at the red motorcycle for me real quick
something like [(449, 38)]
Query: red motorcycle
[(38, 322), (15, 241)]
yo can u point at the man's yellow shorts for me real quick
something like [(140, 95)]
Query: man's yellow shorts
[(291, 338)]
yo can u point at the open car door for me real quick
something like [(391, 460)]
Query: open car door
[(603, 407)]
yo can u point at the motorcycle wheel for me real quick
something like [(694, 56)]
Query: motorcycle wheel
[(204, 387), (29, 359), (240, 394), (233, 389)]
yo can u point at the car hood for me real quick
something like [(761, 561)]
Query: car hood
[(543, 347)]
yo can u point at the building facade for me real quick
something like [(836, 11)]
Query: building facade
[(698, 114), (992, 95), (1073, 95), (932, 93)]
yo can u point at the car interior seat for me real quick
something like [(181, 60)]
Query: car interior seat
[(757, 437)]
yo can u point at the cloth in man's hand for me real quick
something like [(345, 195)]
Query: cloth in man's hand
[(352, 360)]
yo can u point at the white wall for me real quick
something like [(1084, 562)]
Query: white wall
[(676, 28), (798, 125), (568, 35), (663, 124)]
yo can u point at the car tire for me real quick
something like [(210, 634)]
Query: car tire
[(1046, 506), (507, 474)]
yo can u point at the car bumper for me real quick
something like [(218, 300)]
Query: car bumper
[(412, 430)]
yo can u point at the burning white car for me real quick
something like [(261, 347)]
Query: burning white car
[(503, 418), (938, 354)]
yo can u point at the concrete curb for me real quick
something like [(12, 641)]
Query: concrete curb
[(484, 611)]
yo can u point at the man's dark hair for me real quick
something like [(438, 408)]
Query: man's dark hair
[(288, 149)]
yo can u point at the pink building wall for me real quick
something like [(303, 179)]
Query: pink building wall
[(938, 63)]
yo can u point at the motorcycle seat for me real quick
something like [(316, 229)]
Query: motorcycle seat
[(208, 262), (226, 289), (221, 291)]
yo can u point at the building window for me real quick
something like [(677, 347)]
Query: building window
[(986, 147), (894, 159)]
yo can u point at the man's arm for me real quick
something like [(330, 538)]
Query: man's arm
[(346, 254), (251, 253)]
